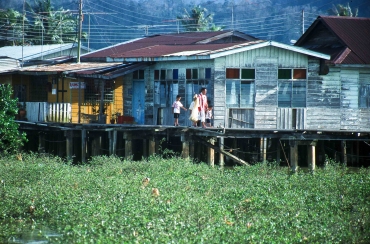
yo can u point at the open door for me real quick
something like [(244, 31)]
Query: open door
[(138, 101)]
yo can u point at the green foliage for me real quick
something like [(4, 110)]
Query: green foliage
[(10, 138), (49, 26), (107, 201), (11, 27), (198, 20), (342, 10)]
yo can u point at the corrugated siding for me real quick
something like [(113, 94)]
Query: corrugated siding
[(288, 118)]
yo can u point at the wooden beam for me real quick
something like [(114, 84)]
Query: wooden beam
[(217, 149), (41, 148)]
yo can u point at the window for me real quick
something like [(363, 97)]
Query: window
[(195, 80), (240, 88), (93, 90), (39, 88), (292, 88), (364, 90), (166, 86), (138, 74), (292, 74)]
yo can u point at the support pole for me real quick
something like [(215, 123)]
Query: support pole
[(277, 151), (222, 157), (41, 148), (185, 146), (83, 145), (152, 146), (128, 145), (311, 149), (344, 152), (191, 148), (69, 143), (293, 155), (211, 153)]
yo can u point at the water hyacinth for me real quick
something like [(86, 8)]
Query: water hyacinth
[(110, 200)]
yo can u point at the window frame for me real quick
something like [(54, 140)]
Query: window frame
[(235, 77), (293, 81)]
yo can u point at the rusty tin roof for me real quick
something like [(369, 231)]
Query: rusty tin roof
[(346, 39)]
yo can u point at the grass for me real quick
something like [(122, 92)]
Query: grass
[(106, 201)]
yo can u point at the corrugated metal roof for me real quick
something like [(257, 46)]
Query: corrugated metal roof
[(33, 52), (69, 67), (177, 42), (353, 35)]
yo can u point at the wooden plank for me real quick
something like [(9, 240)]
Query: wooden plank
[(217, 149)]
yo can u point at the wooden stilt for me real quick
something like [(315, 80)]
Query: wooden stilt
[(278, 151), (95, 145), (293, 155), (191, 148), (41, 148), (222, 157), (128, 145), (145, 148), (311, 151), (69, 143), (114, 146), (344, 152), (211, 153), (357, 152), (185, 146), (152, 146), (112, 135), (83, 145)]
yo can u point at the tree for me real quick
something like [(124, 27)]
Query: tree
[(342, 10), (51, 27), (11, 27), (10, 138), (198, 20)]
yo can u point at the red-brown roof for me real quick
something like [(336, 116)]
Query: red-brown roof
[(167, 44), (349, 35)]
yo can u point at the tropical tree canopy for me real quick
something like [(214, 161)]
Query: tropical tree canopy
[(11, 27), (342, 10), (49, 26), (198, 20)]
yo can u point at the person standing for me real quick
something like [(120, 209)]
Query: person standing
[(203, 105), (176, 106), (194, 112), (209, 116)]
